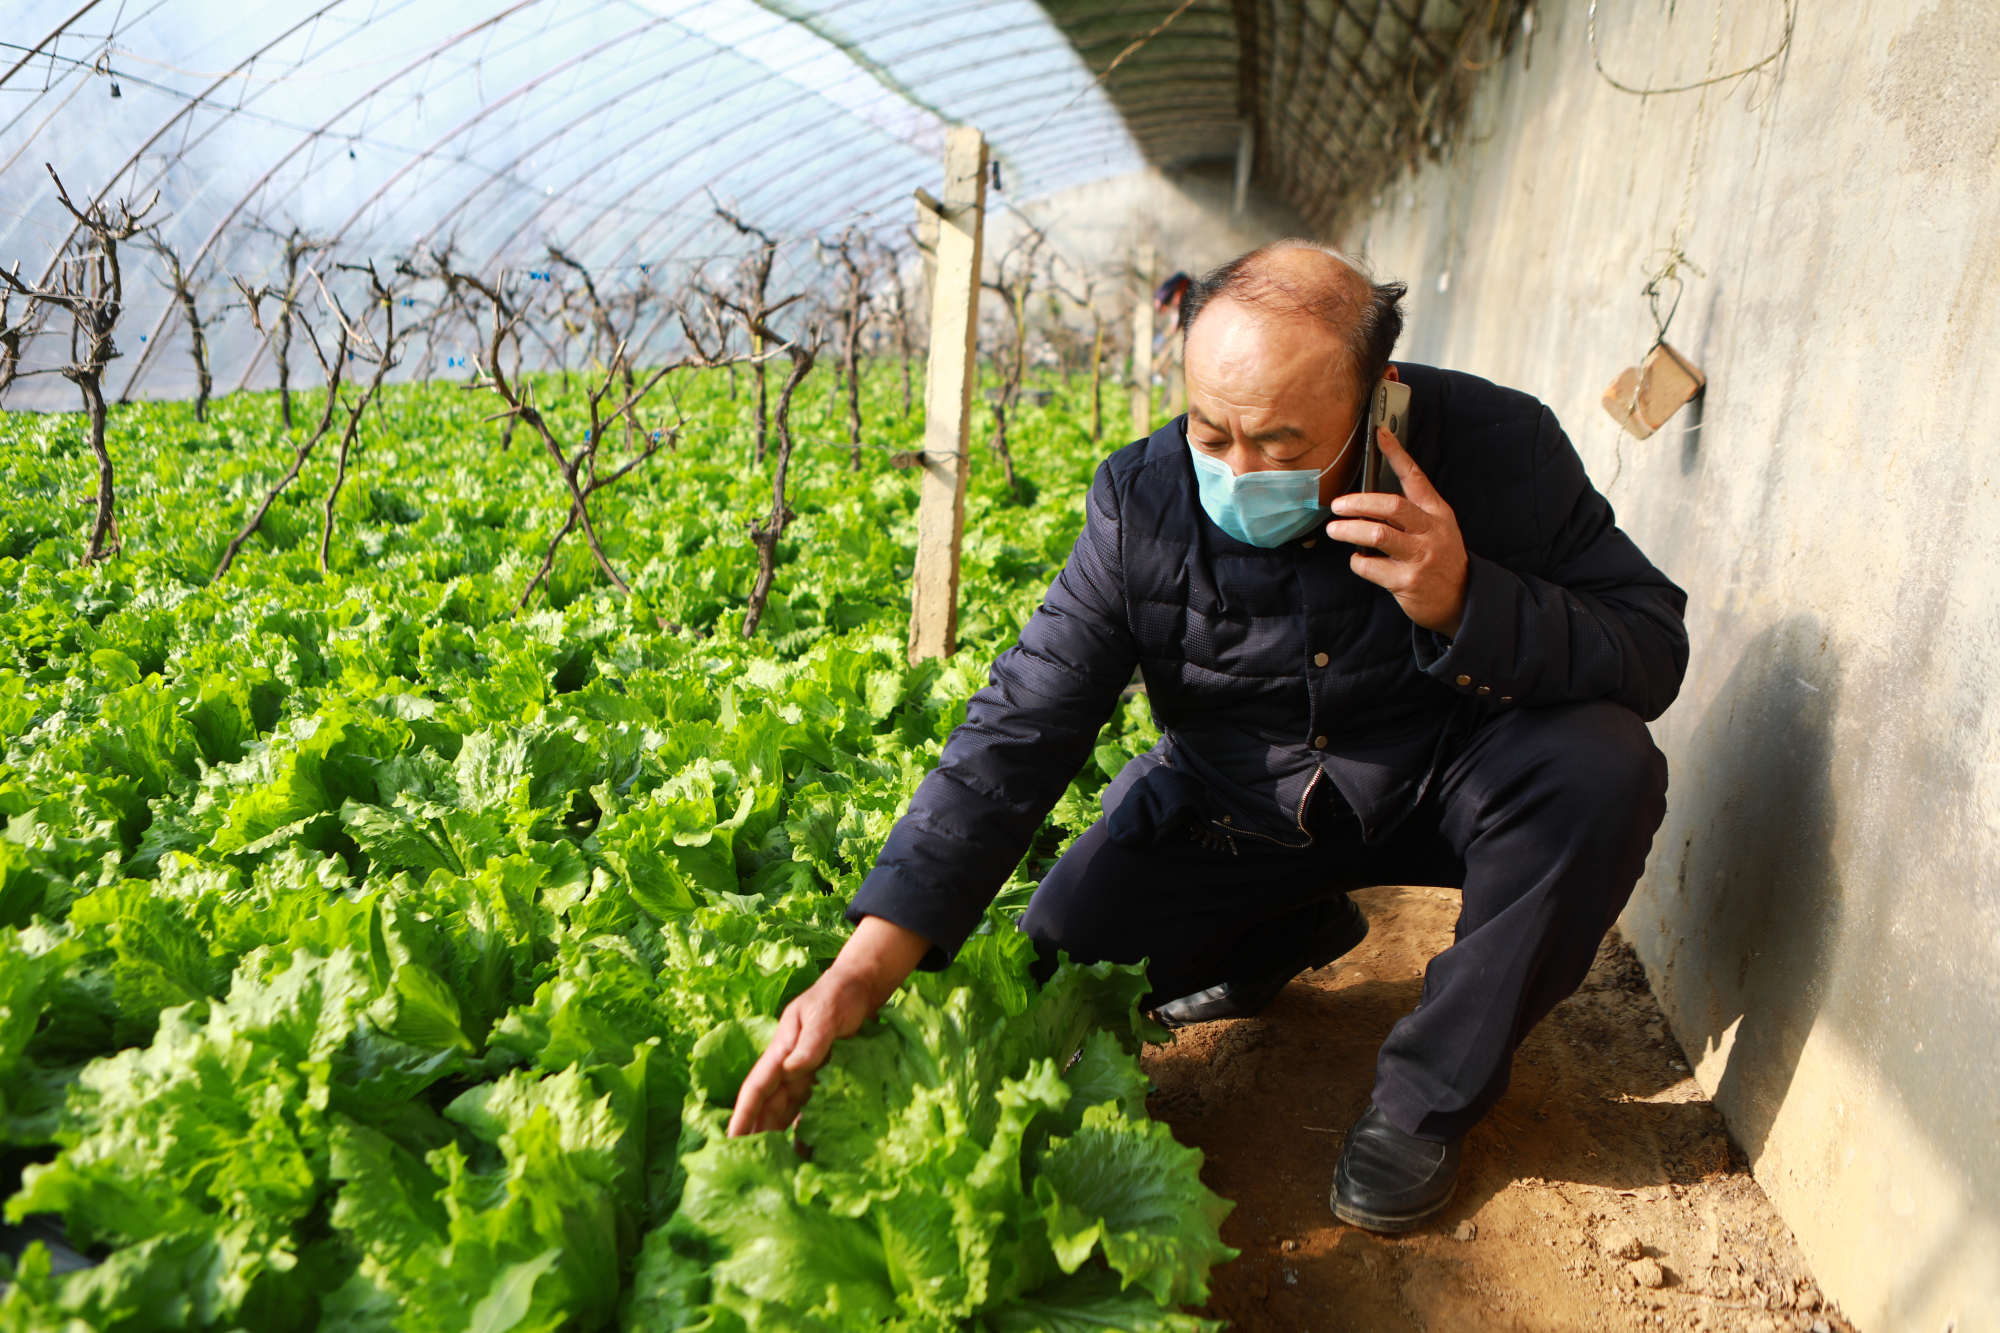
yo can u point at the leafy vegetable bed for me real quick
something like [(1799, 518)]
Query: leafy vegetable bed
[(373, 956)]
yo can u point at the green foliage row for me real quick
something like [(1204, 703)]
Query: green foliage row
[(375, 956)]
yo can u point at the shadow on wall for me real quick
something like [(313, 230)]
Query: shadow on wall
[(1759, 908)]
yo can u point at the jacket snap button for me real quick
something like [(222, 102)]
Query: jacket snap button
[(1484, 690), (1506, 698), (1320, 659), (1465, 680), (1319, 742)]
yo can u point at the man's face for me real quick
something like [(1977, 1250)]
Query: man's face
[(1271, 392)]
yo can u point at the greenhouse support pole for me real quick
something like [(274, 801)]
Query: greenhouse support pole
[(1142, 344), (927, 238), (948, 398)]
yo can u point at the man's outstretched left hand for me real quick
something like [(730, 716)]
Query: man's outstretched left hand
[(1422, 557)]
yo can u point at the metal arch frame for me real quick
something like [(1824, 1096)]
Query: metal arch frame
[(483, 112), (687, 234), (712, 52), (1113, 133), (502, 172), (58, 31), (436, 52), (643, 182), (310, 137), (672, 209), (765, 181), (72, 68), (198, 100), (507, 169)]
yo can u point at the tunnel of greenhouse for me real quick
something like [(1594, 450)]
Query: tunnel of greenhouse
[(592, 588)]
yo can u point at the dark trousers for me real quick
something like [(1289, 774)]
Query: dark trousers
[(1543, 821)]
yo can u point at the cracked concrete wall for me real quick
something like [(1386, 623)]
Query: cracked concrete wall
[(1821, 915)]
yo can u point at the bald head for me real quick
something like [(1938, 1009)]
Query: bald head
[(1304, 288)]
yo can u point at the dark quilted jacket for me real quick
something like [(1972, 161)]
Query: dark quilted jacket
[(1561, 606)]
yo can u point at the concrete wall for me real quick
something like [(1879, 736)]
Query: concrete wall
[(1820, 917)]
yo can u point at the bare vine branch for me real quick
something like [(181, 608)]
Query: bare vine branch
[(753, 285), (578, 468), (852, 254), (301, 452), (90, 286), (803, 351), (181, 283), (1083, 295), (1014, 280), (13, 332), (362, 344)]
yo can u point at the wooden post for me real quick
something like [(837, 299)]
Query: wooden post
[(1142, 345), (948, 398)]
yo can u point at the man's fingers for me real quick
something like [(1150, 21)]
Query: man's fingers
[(1415, 484), (771, 1095), (757, 1089), (1370, 534), (782, 1079), (782, 1107), (765, 1076), (1392, 575), (1395, 510), (817, 1030)]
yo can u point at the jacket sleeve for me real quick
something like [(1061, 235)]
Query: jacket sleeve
[(1584, 616), (1024, 737)]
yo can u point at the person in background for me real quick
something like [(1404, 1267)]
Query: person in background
[(1446, 683), (1167, 301)]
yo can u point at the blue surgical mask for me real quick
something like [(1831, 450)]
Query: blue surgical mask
[(1262, 508)]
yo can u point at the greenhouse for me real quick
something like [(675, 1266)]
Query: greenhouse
[(760, 666)]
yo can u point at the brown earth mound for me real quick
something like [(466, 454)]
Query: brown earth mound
[(1603, 1192)]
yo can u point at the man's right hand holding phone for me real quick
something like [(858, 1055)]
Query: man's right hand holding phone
[(1410, 543)]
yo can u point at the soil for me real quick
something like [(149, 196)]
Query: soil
[(1602, 1193)]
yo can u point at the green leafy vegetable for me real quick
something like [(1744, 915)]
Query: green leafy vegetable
[(375, 956)]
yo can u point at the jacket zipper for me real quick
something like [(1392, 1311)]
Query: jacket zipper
[(1230, 831)]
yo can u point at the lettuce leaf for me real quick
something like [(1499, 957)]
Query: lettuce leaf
[(1122, 1187), (954, 1172)]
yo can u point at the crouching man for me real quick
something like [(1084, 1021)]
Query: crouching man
[(1447, 686)]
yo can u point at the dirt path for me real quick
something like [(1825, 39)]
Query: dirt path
[(1602, 1194)]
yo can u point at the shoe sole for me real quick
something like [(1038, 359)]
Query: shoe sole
[(1390, 1226)]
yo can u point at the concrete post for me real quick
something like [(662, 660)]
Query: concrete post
[(948, 398)]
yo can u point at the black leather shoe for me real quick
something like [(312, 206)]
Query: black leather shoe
[(1241, 999), (1390, 1182)]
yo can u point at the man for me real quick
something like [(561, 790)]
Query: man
[(1444, 686)]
